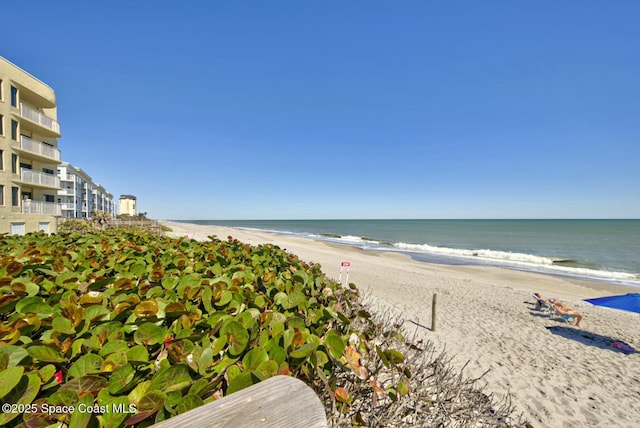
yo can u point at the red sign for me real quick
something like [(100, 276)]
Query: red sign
[(345, 264)]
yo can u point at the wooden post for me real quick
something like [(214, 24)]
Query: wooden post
[(433, 312)]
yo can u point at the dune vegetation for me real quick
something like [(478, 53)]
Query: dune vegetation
[(141, 327)]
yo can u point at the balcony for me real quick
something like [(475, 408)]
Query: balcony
[(39, 179), (69, 206), (36, 116), (38, 207), (40, 149)]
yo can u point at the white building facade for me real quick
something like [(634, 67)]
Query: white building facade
[(128, 205), (29, 154), (79, 195)]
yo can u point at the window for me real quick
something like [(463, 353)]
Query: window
[(47, 171), (1, 160), (1, 194), (14, 163), (17, 229), (14, 196), (14, 96), (0, 89), (48, 198), (14, 130), (1, 124)]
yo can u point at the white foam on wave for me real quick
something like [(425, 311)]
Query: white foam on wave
[(357, 239), (484, 254), (522, 260)]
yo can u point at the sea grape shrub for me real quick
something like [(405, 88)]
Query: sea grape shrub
[(145, 327)]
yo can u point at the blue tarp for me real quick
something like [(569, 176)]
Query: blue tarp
[(627, 302)]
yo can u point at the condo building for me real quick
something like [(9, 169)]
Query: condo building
[(29, 155), (79, 195), (128, 205)]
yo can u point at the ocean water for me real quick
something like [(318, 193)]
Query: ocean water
[(603, 250)]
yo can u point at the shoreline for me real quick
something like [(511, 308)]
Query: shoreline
[(555, 373), (451, 255)]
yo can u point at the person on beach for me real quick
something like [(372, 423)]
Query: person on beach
[(563, 309), (541, 300), (559, 307)]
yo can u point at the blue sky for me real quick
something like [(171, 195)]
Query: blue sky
[(345, 109)]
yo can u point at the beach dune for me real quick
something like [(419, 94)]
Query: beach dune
[(556, 374)]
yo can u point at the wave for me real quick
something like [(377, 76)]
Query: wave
[(531, 261)]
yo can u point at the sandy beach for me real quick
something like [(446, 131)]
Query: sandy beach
[(556, 374)]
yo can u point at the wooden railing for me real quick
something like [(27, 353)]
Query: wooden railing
[(280, 401)]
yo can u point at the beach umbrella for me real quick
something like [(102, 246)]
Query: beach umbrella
[(626, 302)]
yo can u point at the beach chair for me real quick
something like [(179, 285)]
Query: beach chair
[(548, 308)]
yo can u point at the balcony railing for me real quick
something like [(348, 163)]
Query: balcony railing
[(39, 118), (39, 178), (29, 145), (38, 207)]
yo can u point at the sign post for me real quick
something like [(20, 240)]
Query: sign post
[(344, 267)]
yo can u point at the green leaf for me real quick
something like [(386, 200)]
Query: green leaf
[(14, 354), (266, 369), (9, 378), (237, 336), (148, 334), (87, 364), (23, 393), (27, 302), (206, 360), (334, 344), (148, 406), (84, 384), (394, 357), (188, 402), (219, 344), (277, 328), (121, 379), (46, 373), (96, 312), (207, 298), (113, 346), (63, 397), (118, 409), (254, 358), (82, 419), (114, 360), (404, 387), (46, 354), (173, 378), (278, 354), (138, 353), (138, 268), (63, 325), (43, 310), (242, 381), (225, 298), (170, 282), (303, 350)]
